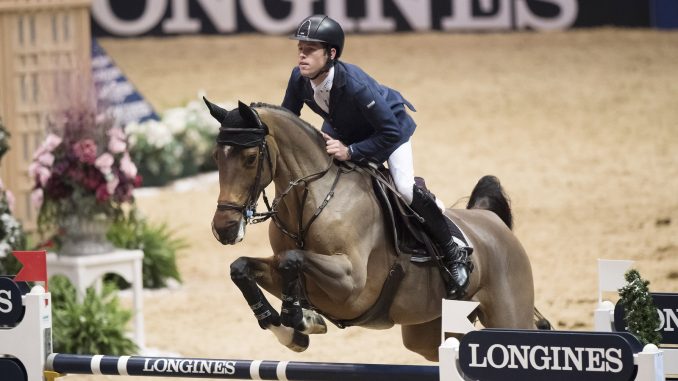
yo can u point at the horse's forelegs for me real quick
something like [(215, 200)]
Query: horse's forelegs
[(292, 315), (242, 274)]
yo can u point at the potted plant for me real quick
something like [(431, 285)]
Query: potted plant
[(83, 177)]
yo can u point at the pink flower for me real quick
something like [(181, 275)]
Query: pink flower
[(104, 163), (33, 170), (116, 145), (112, 184), (37, 197), (117, 133), (9, 196), (39, 151), (117, 142), (85, 150), (46, 159), (51, 142), (43, 175), (127, 167)]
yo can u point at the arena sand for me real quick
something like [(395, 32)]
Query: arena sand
[(581, 127)]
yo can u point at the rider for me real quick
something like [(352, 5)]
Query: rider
[(366, 121)]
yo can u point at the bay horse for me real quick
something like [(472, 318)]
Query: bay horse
[(332, 255)]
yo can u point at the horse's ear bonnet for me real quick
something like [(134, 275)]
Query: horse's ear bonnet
[(241, 127)]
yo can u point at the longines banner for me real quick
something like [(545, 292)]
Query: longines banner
[(505, 355), (174, 17)]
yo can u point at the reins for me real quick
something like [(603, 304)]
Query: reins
[(300, 237), (249, 208)]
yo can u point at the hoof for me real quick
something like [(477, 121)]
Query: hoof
[(313, 323), (299, 342)]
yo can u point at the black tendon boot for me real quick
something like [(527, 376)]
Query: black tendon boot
[(456, 259)]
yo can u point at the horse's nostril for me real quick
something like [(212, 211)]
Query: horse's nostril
[(215, 233), (225, 233)]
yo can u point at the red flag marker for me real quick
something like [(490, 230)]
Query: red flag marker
[(35, 266)]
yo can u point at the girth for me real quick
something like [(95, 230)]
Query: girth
[(377, 316)]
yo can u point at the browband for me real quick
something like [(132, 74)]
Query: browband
[(241, 137), (244, 137)]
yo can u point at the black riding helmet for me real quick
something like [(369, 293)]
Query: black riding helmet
[(321, 28)]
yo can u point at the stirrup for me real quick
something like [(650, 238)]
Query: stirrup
[(420, 258)]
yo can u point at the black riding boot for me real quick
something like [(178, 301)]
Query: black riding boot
[(455, 258)]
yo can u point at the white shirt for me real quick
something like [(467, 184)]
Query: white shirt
[(321, 93)]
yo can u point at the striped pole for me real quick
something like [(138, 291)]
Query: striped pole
[(236, 369)]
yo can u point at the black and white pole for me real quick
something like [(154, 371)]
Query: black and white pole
[(236, 369), (27, 340)]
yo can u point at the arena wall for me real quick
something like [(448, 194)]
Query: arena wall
[(164, 17)]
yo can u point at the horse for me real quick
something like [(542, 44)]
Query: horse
[(332, 251)]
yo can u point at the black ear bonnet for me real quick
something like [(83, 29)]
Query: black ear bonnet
[(240, 127)]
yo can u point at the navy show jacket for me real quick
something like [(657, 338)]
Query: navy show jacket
[(364, 115)]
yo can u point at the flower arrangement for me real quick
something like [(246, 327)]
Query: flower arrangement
[(82, 167), (191, 125), (159, 154), (178, 145)]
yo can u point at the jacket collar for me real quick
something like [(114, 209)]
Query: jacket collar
[(339, 74), (337, 87), (339, 77)]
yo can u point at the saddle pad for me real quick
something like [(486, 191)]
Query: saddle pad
[(457, 234), (408, 235)]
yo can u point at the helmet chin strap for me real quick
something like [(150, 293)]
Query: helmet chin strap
[(328, 65), (322, 71)]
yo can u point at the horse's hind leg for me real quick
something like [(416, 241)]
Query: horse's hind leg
[(292, 315), (243, 273), (507, 307)]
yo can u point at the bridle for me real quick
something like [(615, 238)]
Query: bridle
[(249, 208)]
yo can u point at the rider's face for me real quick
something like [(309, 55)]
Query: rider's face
[(312, 57)]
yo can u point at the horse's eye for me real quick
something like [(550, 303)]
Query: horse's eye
[(251, 159)]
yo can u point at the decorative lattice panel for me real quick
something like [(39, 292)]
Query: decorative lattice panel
[(45, 45)]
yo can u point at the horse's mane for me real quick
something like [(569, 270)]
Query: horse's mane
[(306, 127)]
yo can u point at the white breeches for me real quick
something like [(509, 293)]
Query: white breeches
[(401, 166)]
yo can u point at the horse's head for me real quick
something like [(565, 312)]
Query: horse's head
[(244, 169)]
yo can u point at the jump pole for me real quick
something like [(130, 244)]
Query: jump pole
[(236, 369)]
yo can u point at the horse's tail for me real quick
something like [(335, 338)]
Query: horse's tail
[(489, 195)]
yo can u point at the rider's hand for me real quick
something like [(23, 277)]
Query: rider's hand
[(336, 148)]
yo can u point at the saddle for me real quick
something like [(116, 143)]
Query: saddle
[(405, 225)]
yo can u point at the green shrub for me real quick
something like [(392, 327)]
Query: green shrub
[(97, 325), (4, 139), (640, 313), (158, 244)]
